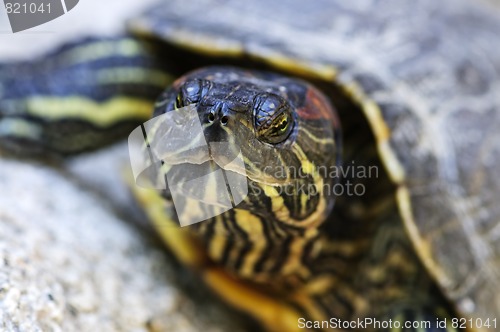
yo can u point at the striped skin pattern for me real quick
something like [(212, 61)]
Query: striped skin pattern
[(78, 97), (280, 213), (276, 238)]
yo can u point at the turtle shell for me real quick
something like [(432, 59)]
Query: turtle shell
[(426, 75)]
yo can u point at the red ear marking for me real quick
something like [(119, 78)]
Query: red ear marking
[(178, 82), (317, 107)]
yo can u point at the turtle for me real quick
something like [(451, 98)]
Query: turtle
[(394, 101)]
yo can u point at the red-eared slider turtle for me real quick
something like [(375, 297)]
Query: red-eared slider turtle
[(413, 237)]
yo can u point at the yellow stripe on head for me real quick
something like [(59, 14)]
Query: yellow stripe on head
[(307, 166)]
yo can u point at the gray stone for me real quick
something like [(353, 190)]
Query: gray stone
[(67, 263)]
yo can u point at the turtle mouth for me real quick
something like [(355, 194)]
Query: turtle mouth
[(213, 155), (207, 180), (207, 160), (211, 181), (204, 160)]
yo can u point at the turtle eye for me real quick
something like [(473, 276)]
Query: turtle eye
[(273, 118), (191, 92)]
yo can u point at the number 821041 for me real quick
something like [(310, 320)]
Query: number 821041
[(473, 323), (25, 8)]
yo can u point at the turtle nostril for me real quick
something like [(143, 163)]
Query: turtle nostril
[(224, 120), (211, 117)]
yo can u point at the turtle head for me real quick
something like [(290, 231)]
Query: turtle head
[(267, 139)]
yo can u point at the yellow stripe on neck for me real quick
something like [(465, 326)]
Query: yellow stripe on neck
[(99, 114)]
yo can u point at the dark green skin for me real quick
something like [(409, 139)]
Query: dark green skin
[(235, 105)]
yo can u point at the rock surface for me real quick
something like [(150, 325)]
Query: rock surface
[(63, 255), (68, 264)]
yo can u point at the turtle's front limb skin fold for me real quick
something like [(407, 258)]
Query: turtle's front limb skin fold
[(79, 97)]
